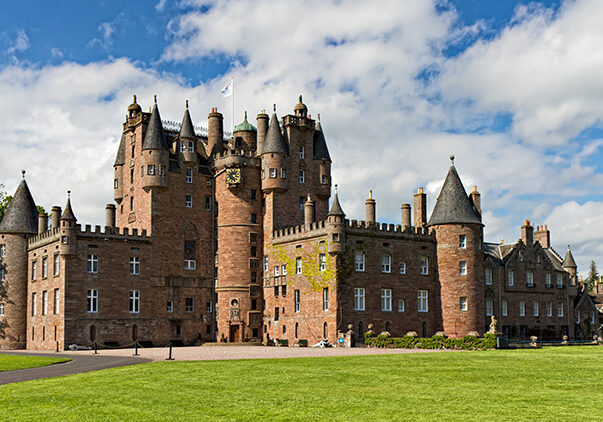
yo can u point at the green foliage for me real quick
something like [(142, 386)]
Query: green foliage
[(13, 362), (435, 342), (4, 201), (593, 276)]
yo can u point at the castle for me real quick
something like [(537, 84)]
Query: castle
[(214, 239)]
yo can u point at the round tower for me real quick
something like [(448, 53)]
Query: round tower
[(68, 230), (274, 158), (155, 153), (215, 132), (20, 222), (460, 259), (245, 136), (262, 122), (569, 265)]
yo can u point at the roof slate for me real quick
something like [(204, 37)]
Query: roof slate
[(120, 158), (568, 261), (274, 142), (453, 205), (336, 206), (186, 129), (155, 137), (68, 213), (321, 152), (21, 216)]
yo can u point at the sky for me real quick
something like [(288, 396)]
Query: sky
[(512, 89)]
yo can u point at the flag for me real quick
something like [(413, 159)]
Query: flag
[(227, 90)]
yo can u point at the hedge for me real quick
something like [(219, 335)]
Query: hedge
[(435, 342)]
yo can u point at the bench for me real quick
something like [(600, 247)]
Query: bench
[(283, 342), (302, 343)]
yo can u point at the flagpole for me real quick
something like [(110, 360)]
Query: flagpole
[(232, 115)]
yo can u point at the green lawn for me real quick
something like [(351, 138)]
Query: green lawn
[(562, 383), (12, 362)]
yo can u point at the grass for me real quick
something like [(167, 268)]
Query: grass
[(562, 383), (12, 362)]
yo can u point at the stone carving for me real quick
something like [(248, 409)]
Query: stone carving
[(493, 323), (235, 314)]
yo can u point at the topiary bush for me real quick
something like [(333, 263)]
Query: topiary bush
[(435, 342)]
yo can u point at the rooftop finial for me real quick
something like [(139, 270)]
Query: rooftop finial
[(274, 107), (370, 194), (319, 117), (300, 98), (452, 159), (568, 247), (68, 194), (155, 98), (245, 115), (335, 188), (23, 174), (187, 104), (134, 98)]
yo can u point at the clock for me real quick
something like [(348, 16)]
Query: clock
[(233, 176)]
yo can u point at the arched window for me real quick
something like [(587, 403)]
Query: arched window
[(325, 330), (92, 332), (134, 332)]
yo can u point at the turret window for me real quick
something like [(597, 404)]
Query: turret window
[(188, 201), (115, 183), (463, 268), (191, 146), (93, 263), (151, 170), (183, 146), (463, 304), (133, 150), (92, 301), (302, 176), (162, 171), (272, 173), (131, 176), (131, 203), (1, 309), (283, 173), (2, 251), (462, 241), (2, 274), (324, 179)]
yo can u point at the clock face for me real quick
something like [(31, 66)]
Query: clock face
[(233, 176)]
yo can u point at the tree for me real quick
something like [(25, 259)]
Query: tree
[(593, 276), (4, 201)]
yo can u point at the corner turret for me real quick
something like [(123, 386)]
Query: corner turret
[(155, 153), (120, 160), (336, 226), (245, 136), (21, 216), (274, 158), (570, 265), (68, 229), (187, 139), (215, 132)]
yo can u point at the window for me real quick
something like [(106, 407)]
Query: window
[(56, 267), (463, 268), (56, 302), (559, 281), (162, 171), (296, 298), (131, 176), (549, 309), (188, 201), (183, 146), (505, 307), (1, 309), (134, 301), (276, 314), (302, 176), (535, 307), (325, 299), (134, 265), (301, 153), (489, 307), (188, 178), (191, 146), (577, 317), (463, 303), (254, 218), (284, 290), (592, 317), (208, 203), (266, 263), (324, 179), (45, 302), (386, 264), (272, 173), (559, 309), (275, 291), (522, 308), (322, 259), (2, 274), (386, 300), (92, 263), (34, 304), (510, 280), (400, 305), (209, 307), (92, 301), (548, 280), (298, 265), (359, 298), (44, 267), (530, 279), (151, 170), (424, 265), (538, 259), (283, 173), (34, 270), (423, 300), (488, 276), (359, 261), (170, 306), (302, 202), (277, 270), (190, 264), (462, 241), (254, 194), (2, 251), (115, 184), (131, 203), (402, 267)]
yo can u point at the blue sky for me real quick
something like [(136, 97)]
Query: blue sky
[(512, 88)]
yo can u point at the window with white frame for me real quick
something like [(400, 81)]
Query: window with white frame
[(359, 298), (322, 259), (400, 305), (559, 309), (462, 241), (505, 307), (283, 269), (183, 146), (190, 264), (191, 146), (265, 263), (92, 263), (522, 308), (423, 300), (549, 309), (92, 301), (359, 261), (1, 309), (463, 267), (134, 301), (34, 304), (189, 304), (277, 270), (151, 170), (548, 282), (463, 303), (559, 280), (535, 308), (386, 300), (2, 251), (302, 176), (188, 178), (386, 264), (134, 265), (45, 302), (209, 307), (510, 278), (188, 201), (530, 279), (283, 173), (272, 173), (488, 276), (325, 299), (44, 267), (301, 152), (56, 301), (489, 307), (296, 299), (34, 270), (424, 265), (56, 267), (170, 306), (402, 267), (298, 265)]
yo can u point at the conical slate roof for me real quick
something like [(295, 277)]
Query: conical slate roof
[(453, 205), (336, 206), (568, 261), (321, 152), (155, 137), (274, 143), (68, 213), (186, 129), (120, 158), (21, 216)]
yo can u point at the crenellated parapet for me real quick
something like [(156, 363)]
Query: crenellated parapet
[(113, 233), (236, 157), (355, 227)]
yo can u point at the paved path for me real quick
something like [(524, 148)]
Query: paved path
[(79, 363)]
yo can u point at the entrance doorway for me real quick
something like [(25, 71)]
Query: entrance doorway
[(234, 334)]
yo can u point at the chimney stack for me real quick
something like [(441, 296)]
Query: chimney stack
[(308, 212), (370, 208), (42, 222), (527, 233), (543, 236), (405, 215), (110, 215), (477, 202), (55, 216), (420, 208), (215, 132), (262, 121)]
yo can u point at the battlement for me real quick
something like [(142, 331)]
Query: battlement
[(112, 232), (235, 157), (48, 236), (317, 228), (355, 226)]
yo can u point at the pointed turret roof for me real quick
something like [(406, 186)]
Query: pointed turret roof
[(274, 143), (120, 158), (186, 129), (568, 261), (155, 137), (68, 213), (453, 205), (245, 126), (336, 206), (21, 216), (321, 152)]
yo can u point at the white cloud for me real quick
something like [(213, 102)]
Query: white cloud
[(20, 44), (160, 5)]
